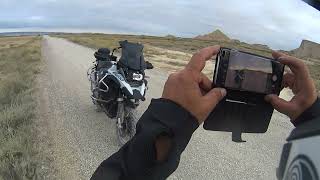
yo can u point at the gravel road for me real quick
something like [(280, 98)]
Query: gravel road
[(81, 138)]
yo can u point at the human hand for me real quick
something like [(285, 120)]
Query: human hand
[(191, 89), (301, 84)]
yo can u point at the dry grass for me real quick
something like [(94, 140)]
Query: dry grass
[(18, 67), (12, 42), (173, 53), (187, 45)]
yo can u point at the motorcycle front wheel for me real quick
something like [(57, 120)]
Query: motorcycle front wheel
[(126, 123)]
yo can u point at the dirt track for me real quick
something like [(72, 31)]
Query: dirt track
[(81, 138)]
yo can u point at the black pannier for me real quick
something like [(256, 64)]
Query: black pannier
[(103, 58), (132, 56), (102, 54)]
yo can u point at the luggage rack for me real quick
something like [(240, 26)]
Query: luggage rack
[(99, 100), (89, 72)]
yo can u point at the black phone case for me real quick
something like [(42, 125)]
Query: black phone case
[(240, 117)]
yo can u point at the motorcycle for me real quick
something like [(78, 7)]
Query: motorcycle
[(118, 86)]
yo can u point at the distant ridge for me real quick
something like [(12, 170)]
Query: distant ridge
[(215, 35), (307, 49)]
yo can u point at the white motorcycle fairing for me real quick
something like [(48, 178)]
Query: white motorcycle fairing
[(130, 91)]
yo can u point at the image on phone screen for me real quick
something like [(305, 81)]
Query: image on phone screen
[(249, 73)]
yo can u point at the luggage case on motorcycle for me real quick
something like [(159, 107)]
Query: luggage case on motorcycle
[(103, 58)]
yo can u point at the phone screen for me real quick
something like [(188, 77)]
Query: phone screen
[(247, 72)]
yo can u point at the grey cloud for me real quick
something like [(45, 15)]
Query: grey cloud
[(279, 24)]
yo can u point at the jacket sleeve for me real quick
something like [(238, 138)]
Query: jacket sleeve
[(309, 114), (308, 123), (137, 158)]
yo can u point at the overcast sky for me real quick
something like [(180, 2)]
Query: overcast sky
[(281, 24)]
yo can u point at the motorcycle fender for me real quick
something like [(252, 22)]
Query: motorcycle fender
[(139, 92), (141, 89), (127, 87)]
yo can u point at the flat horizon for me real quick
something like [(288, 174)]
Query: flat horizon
[(100, 31)]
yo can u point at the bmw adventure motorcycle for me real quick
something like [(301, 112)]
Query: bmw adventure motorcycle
[(118, 86)]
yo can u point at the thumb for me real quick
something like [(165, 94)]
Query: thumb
[(279, 104), (214, 96)]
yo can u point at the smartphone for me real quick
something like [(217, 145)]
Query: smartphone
[(248, 78)]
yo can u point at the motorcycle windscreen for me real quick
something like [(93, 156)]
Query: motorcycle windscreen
[(132, 56)]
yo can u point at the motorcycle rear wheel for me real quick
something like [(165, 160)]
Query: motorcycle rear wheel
[(127, 129)]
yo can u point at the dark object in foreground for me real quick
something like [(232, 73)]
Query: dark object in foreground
[(247, 78), (313, 3)]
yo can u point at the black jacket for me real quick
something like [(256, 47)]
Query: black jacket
[(137, 158)]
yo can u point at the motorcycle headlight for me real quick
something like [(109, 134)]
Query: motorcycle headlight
[(137, 77)]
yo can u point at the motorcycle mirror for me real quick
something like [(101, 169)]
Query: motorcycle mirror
[(149, 65), (114, 49)]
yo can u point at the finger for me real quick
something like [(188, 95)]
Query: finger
[(288, 80), (277, 55), (198, 60), (283, 58), (204, 82), (203, 92), (213, 97), (295, 64), (279, 104), (292, 62), (298, 68)]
